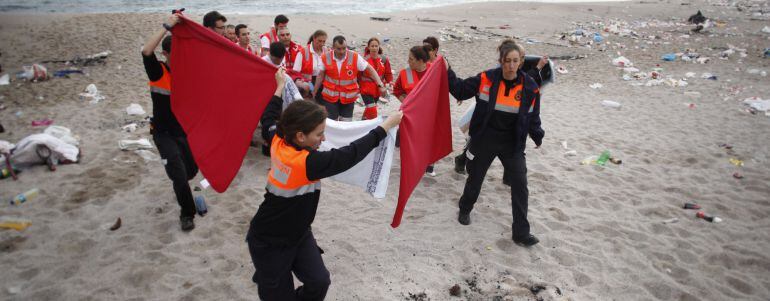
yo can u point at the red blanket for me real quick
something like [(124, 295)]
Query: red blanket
[(426, 131), (219, 91)]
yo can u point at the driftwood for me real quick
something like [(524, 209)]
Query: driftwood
[(384, 19), (98, 58)]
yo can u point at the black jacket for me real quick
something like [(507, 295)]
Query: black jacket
[(528, 123)]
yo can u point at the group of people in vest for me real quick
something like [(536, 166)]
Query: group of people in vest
[(280, 238)]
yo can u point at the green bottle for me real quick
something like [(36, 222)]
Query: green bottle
[(603, 158), (6, 173)]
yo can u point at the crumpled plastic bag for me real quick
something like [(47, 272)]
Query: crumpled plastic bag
[(93, 93), (135, 109), (622, 62)]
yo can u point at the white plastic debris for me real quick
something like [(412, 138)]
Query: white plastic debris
[(130, 127), (135, 109), (766, 29), (622, 62), (611, 104), (148, 156), (689, 74), (562, 70), (630, 70), (703, 60), (142, 143), (596, 86), (5, 80), (93, 93), (758, 104)]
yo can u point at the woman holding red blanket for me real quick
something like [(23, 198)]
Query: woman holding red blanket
[(507, 111), (280, 240)]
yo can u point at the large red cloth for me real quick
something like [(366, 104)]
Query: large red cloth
[(425, 130), (219, 92)]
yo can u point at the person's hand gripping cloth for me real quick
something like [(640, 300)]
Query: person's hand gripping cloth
[(373, 172), (425, 129), (219, 92)]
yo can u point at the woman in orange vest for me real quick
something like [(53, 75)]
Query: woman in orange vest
[(410, 76), (381, 64), (507, 111), (280, 240)]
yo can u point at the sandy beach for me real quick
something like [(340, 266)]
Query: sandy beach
[(614, 232)]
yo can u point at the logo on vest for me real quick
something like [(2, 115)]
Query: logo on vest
[(350, 72)]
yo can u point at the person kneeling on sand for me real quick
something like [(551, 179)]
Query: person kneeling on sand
[(507, 111), (166, 131), (280, 239)]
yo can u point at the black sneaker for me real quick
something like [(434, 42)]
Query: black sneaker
[(526, 240), (464, 218), (187, 223), (460, 164)]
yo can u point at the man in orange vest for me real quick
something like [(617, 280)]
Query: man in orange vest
[(169, 137), (271, 35), (339, 77)]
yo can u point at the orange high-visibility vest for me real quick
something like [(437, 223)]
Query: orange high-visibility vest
[(510, 103), (368, 85), (307, 63), (409, 79), (340, 85), (288, 170), (163, 84), (291, 54)]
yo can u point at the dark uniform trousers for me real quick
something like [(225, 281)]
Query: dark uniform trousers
[(180, 167), (275, 264), (515, 170)]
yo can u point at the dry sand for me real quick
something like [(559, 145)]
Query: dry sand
[(601, 228)]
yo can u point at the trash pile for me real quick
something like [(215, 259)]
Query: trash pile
[(39, 72)]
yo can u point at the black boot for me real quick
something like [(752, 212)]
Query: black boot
[(526, 240), (464, 218)]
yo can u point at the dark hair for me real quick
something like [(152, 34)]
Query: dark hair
[(317, 33), (299, 116), (211, 18), (166, 44), (507, 46), (420, 53), (366, 50), (432, 41), (230, 26), (238, 29), (338, 40), (277, 49), (280, 19)]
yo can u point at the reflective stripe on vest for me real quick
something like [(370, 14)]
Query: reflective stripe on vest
[(340, 84), (484, 87), (510, 103), (307, 63), (287, 176), (163, 84), (409, 79)]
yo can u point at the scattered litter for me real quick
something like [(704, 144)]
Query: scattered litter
[(616, 161), (205, 183), (758, 104), (611, 104), (427, 20), (384, 19), (85, 61), (703, 60), (66, 72), (697, 18), (18, 224), (135, 109), (755, 71), (142, 143), (116, 226), (737, 175), (147, 155), (708, 76), (5, 80), (93, 93), (130, 127), (42, 122), (588, 160), (709, 218), (596, 86), (598, 38), (736, 162), (690, 105), (622, 62), (669, 57), (570, 153), (766, 29), (200, 205), (35, 72), (671, 220), (689, 74), (691, 206), (562, 70), (630, 70), (767, 52)]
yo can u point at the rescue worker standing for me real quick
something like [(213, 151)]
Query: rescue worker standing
[(308, 61), (271, 35), (169, 137), (339, 77), (410, 76), (381, 64), (507, 111), (280, 239)]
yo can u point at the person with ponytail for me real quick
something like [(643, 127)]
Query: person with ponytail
[(507, 112), (369, 91), (280, 240)]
